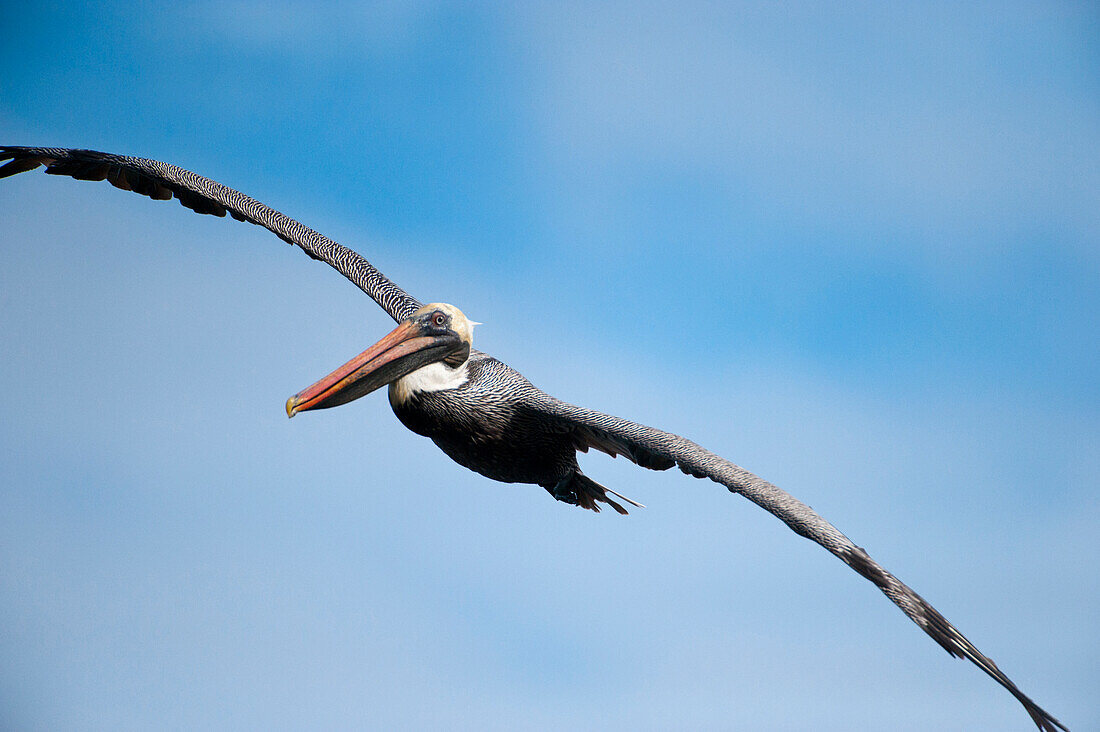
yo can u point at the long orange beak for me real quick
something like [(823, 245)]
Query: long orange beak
[(402, 351)]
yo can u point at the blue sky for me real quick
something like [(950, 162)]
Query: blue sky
[(853, 250)]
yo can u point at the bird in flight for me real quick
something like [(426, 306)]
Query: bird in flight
[(483, 414)]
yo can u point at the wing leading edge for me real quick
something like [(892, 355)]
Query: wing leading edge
[(161, 181), (658, 450)]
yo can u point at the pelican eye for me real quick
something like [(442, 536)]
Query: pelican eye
[(439, 319)]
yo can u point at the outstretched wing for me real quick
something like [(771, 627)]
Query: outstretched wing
[(162, 181), (657, 450)]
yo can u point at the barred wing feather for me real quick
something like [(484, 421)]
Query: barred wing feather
[(659, 450), (161, 181)]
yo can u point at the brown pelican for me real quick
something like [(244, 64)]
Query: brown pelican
[(480, 412)]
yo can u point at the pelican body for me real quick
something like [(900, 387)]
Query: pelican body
[(482, 413), (479, 411)]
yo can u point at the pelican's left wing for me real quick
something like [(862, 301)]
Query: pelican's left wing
[(658, 450), (162, 181)]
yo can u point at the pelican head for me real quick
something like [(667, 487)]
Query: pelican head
[(426, 351)]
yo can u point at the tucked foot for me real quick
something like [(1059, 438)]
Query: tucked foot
[(577, 489)]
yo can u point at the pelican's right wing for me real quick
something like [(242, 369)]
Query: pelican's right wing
[(163, 181), (658, 450)]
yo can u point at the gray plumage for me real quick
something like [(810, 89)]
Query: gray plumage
[(496, 422), (161, 181)]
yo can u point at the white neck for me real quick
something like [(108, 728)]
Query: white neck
[(436, 376)]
